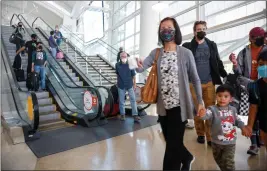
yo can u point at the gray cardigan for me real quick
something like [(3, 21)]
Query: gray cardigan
[(187, 70)]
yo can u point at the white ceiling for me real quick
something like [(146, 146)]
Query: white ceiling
[(59, 8)]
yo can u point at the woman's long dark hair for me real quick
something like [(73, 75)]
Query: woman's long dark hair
[(178, 34)]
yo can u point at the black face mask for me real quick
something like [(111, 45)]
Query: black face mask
[(20, 25), (259, 41), (201, 35)]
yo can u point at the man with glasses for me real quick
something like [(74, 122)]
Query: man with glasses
[(210, 70)]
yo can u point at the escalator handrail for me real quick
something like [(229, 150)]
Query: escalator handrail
[(77, 86), (41, 31), (46, 36), (17, 85), (12, 71), (77, 37), (74, 49), (43, 21), (98, 94), (17, 102), (87, 43), (78, 52)]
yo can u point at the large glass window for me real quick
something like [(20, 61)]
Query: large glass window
[(130, 8), (129, 45), (137, 25), (187, 29), (137, 4), (121, 32), (176, 7), (129, 28), (233, 14), (93, 23), (187, 17), (137, 39)]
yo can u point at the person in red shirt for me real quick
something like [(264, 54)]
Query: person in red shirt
[(246, 65)]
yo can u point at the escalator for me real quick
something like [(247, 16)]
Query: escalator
[(19, 119), (96, 68), (64, 99)]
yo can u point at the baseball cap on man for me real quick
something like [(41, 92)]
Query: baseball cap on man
[(257, 32), (33, 36)]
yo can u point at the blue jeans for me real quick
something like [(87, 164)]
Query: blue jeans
[(122, 93), (41, 70), (59, 41), (54, 52)]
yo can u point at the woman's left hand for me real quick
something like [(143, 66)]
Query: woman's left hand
[(201, 109)]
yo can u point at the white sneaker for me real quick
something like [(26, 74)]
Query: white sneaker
[(190, 124)]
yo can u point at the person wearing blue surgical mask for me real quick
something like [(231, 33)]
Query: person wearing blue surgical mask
[(258, 98)]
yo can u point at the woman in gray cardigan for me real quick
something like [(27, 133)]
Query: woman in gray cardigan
[(176, 66)]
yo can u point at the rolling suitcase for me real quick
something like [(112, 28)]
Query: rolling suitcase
[(19, 74), (32, 82)]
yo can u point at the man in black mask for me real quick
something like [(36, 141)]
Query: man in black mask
[(210, 70), (31, 47)]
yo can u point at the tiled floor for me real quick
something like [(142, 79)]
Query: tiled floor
[(142, 149)]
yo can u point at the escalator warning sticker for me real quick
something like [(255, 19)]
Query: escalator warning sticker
[(94, 100), (87, 100)]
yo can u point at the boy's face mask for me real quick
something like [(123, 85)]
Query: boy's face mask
[(262, 70)]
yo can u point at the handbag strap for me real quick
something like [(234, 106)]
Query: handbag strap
[(157, 55)]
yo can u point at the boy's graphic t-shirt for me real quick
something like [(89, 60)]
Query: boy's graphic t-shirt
[(39, 58), (224, 121)]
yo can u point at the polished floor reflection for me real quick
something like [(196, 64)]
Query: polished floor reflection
[(144, 150)]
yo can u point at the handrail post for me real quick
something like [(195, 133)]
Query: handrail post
[(75, 54), (67, 46), (100, 77)]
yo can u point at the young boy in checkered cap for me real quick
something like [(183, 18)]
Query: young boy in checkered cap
[(224, 120)]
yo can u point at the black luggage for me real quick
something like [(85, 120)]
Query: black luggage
[(17, 62), (19, 74), (115, 93), (32, 82)]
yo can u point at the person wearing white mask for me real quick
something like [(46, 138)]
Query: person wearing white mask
[(126, 82)]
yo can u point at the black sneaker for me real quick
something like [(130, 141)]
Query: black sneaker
[(201, 139), (137, 118), (188, 164), (209, 143)]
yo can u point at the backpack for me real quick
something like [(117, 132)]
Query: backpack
[(231, 80)]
